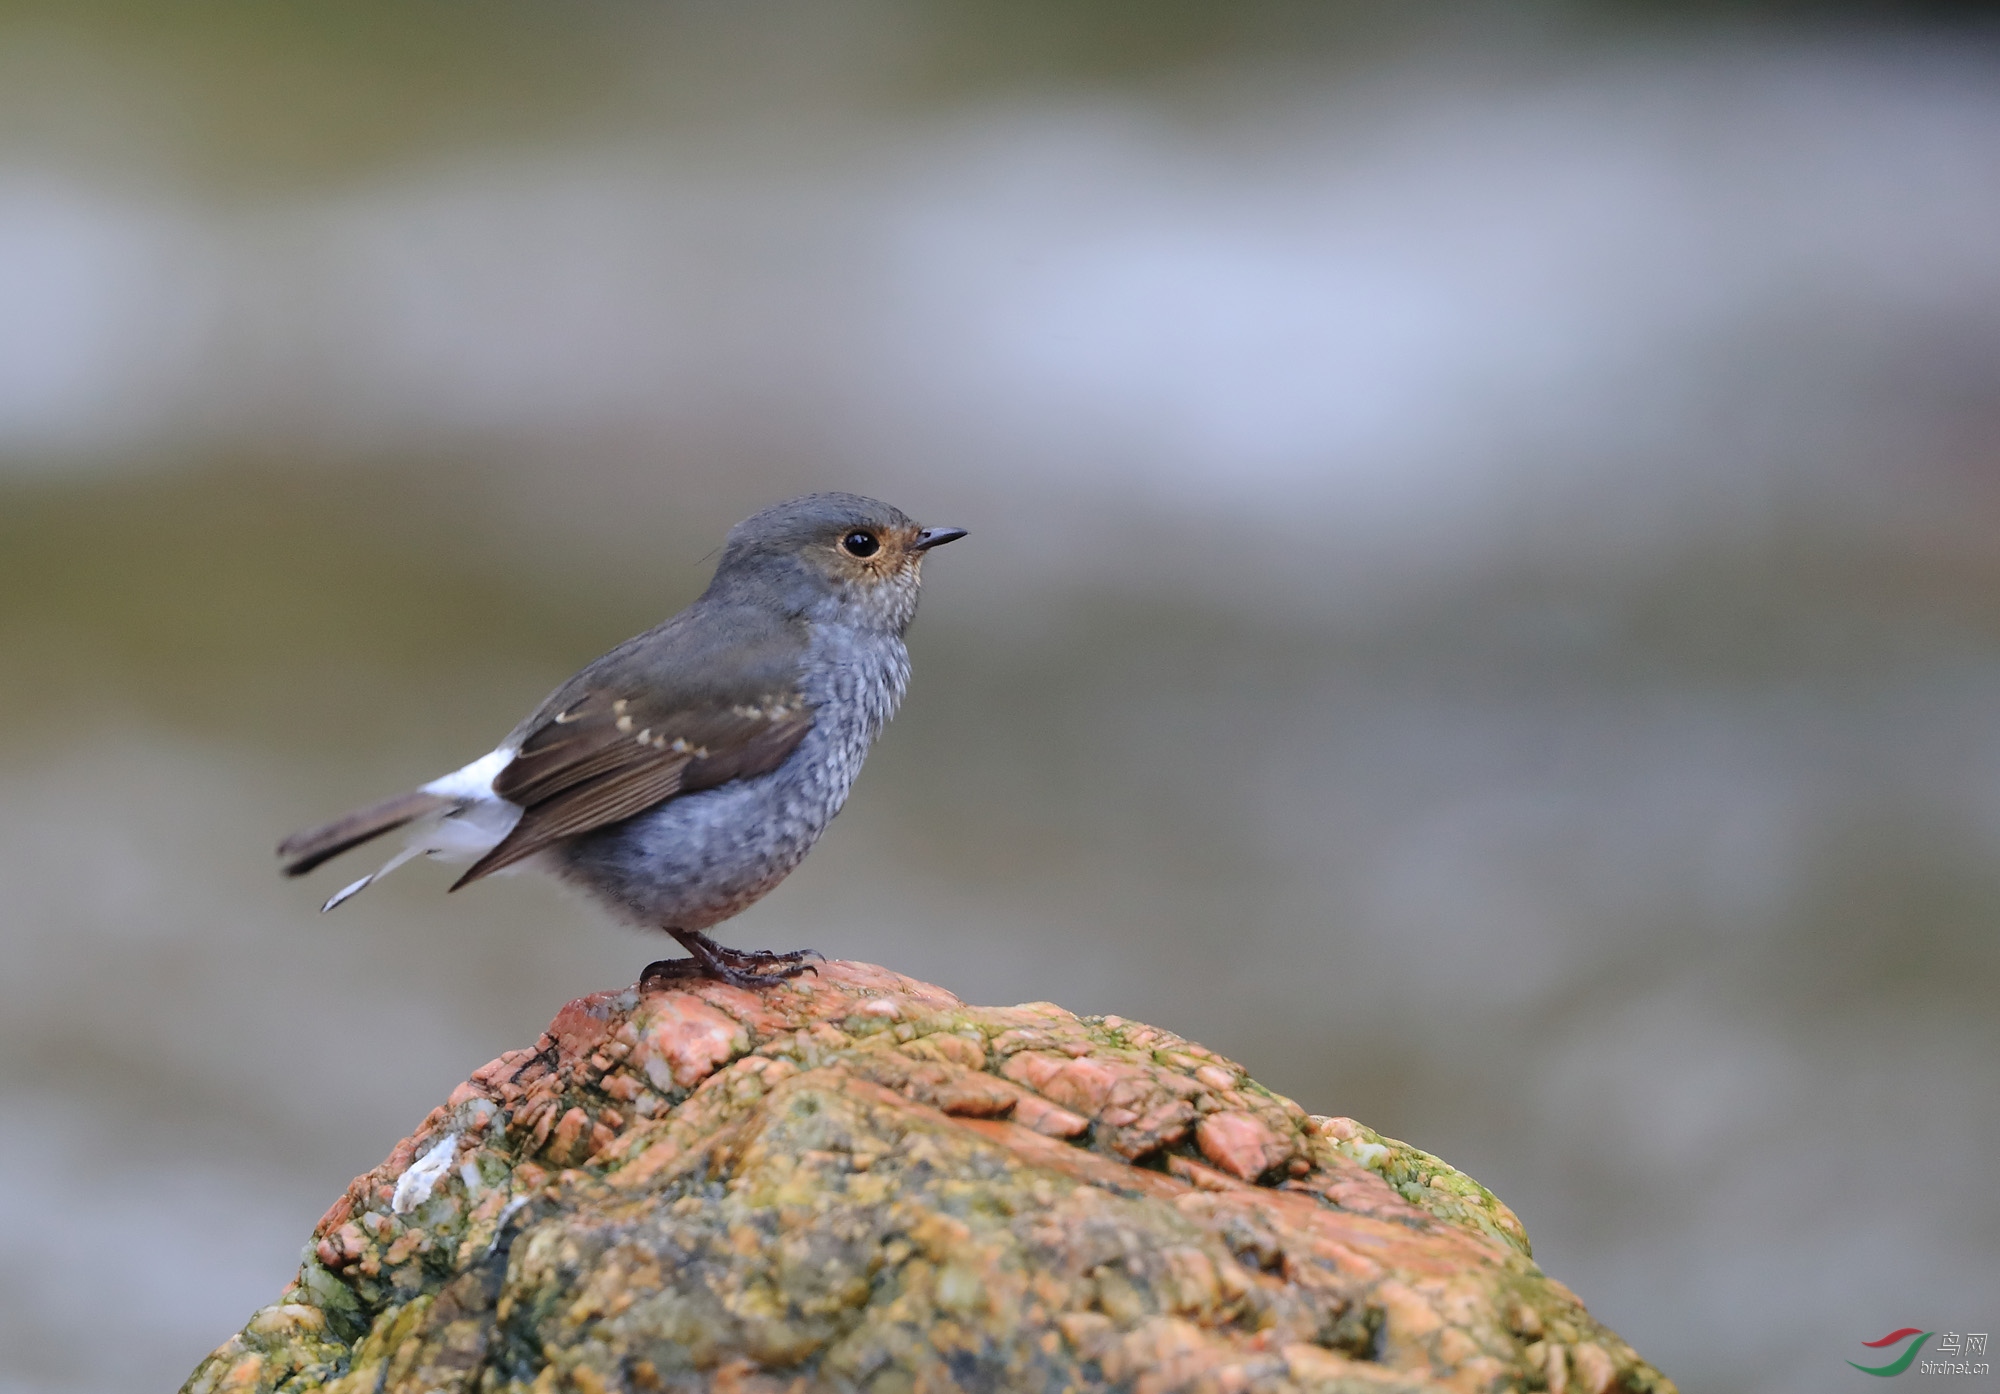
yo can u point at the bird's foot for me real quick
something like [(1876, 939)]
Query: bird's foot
[(737, 967), (768, 958)]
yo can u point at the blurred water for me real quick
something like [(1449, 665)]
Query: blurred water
[(1413, 317), (1481, 606)]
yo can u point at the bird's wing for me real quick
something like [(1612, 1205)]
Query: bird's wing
[(703, 699), (604, 757)]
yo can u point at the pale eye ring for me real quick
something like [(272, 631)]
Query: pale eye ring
[(860, 544)]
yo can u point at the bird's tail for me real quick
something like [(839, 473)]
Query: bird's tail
[(454, 818), (301, 852)]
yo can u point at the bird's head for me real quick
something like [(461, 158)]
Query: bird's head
[(831, 557)]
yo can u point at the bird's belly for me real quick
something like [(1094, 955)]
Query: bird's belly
[(698, 859)]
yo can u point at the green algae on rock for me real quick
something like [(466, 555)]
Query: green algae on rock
[(855, 1181)]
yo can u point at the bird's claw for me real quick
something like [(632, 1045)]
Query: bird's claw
[(663, 969)]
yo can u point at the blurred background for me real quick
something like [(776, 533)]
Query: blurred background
[(1483, 602)]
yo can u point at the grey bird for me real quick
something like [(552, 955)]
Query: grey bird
[(684, 774)]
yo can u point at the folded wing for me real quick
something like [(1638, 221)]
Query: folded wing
[(607, 754)]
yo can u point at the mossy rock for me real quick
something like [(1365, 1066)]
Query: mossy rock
[(856, 1181)]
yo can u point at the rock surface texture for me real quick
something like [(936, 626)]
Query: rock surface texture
[(856, 1181)]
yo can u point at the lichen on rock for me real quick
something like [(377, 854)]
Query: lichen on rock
[(856, 1181)]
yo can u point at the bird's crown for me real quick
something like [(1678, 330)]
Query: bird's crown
[(814, 521)]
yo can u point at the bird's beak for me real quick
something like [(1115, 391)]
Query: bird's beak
[(935, 537)]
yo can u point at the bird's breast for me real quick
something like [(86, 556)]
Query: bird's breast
[(855, 680)]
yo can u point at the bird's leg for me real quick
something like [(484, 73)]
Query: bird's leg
[(739, 966)]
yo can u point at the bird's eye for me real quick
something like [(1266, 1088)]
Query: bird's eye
[(860, 544)]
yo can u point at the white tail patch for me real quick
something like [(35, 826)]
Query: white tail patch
[(474, 783), (463, 833)]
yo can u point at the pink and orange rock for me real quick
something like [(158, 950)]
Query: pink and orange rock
[(856, 1181)]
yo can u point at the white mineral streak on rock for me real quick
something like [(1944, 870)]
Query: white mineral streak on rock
[(413, 1188)]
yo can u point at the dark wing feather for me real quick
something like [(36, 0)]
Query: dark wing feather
[(603, 757), (592, 804)]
